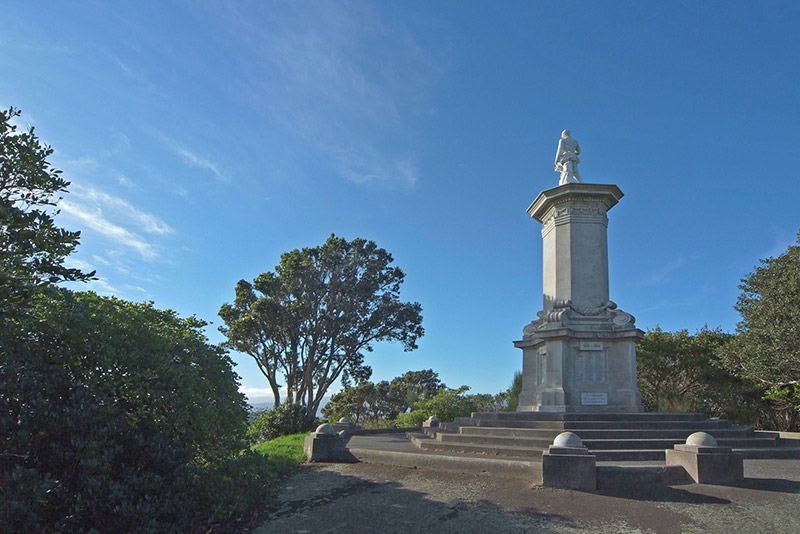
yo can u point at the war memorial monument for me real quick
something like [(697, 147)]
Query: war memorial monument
[(580, 354), (580, 417)]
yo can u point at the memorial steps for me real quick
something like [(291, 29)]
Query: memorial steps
[(611, 437)]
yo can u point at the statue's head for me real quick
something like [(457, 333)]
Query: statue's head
[(565, 134)]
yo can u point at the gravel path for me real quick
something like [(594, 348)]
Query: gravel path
[(369, 498)]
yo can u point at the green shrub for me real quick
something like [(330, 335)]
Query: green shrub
[(449, 404), (283, 420), (118, 417), (412, 418), (446, 405)]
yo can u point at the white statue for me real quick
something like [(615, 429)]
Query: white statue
[(567, 159)]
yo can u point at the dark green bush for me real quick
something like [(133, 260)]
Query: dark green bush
[(118, 417)]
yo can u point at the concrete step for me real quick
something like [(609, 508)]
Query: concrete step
[(615, 433), (628, 455), (629, 444), (748, 443), (769, 453), (760, 448), (424, 442), (504, 441), (584, 416), (589, 424), (511, 423), (527, 469), (700, 425)]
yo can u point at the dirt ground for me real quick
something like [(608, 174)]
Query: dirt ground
[(369, 498)]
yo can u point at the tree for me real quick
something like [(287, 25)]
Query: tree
[(376, 405), (679, 372), (117, 416), (414, 387), (446, 405), (312, 320), (767, 348), (508, 400), (355, 402), (32, 248)]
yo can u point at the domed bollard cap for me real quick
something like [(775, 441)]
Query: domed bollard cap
[(346, 420), (567, 439), (325, 428), (702, 439)]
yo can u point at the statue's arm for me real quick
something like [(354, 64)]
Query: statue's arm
[(559, 150)]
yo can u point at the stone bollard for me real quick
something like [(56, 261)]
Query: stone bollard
[(326, 445), (707, 462), (431, 422), (567, 464), (344, 427)]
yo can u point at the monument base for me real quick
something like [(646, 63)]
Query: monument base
[(566, 370)]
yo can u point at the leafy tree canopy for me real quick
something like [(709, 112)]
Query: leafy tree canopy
[(414, 387), (679, 372), (378, 404), (767, 349), (312, 320), (32, 247)]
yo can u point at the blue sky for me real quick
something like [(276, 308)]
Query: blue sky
[(203, 139)]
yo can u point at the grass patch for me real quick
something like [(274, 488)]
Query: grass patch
[(284, 453)]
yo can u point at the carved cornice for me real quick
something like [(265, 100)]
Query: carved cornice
[(565, 211), (584, 199), (564, 314)]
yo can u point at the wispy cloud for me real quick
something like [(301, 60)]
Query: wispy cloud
[(341, 79), (125, 181), (139, 77), (662, 275), (368, 165), (95, 209), (192, 158), (101, 260), (93, 218), (146, 221)]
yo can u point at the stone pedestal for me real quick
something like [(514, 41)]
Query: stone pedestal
[(567, 464), (325, 445), (707, 462), (580, 355)]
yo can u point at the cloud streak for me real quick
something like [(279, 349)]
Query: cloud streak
[(95, 209), (342, 80), (193, 159), (663, 274)]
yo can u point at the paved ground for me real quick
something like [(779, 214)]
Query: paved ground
[(368, 498)]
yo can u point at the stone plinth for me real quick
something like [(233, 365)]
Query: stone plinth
[(345, 427), (580, 355), (706, 462), (567, 464), (326, 445)]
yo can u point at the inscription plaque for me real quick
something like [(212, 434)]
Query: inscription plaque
[(594, 399), (590, 367)]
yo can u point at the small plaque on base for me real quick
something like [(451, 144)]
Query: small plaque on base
[(594, 399)]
